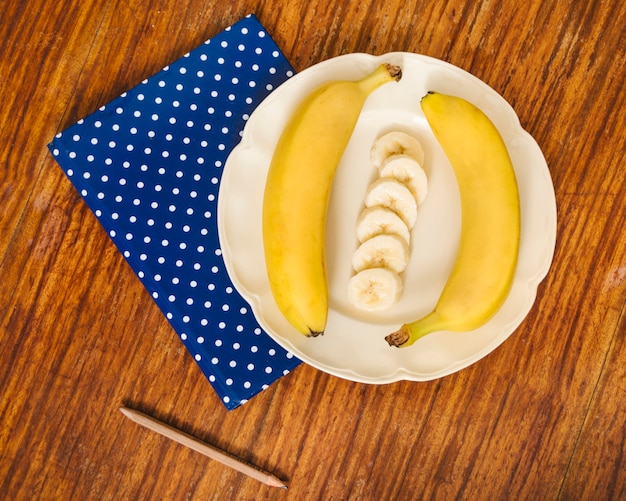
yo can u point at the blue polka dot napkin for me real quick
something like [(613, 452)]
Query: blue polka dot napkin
[(149, 163)]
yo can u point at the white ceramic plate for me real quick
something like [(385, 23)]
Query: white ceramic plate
[(353, 346)]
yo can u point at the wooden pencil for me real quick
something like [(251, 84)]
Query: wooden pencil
[(203, 448)]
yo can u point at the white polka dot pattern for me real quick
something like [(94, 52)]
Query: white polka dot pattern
[(149, 166)]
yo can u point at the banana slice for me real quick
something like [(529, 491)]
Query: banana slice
[(381, 251), (396, 143), (405, 169), (376, 220), (374, 289), (394, 195)]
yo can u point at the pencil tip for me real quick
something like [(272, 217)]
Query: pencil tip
[(276, 482)]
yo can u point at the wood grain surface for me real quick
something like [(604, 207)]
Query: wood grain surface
[(543, 417)]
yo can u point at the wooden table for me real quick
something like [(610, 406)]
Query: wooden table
[(542, 417)]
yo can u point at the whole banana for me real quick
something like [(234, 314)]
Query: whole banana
[(297, 192), (485, 264)]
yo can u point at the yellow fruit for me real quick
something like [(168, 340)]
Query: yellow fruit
[(485, 264), (297, 192)]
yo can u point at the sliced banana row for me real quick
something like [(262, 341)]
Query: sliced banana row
[(383, 227)]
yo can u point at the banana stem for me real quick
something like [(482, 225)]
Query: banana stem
[(409, 333), (383, 74), (394, 70)]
